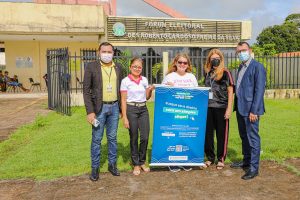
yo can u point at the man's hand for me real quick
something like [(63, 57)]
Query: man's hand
[(252, 117), (90, 117)]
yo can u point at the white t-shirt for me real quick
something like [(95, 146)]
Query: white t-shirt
[(136, 90), (187, 80)]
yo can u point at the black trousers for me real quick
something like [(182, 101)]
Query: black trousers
[(138, 118), (216, 121)]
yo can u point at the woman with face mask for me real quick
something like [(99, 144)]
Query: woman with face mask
[(219, 79)]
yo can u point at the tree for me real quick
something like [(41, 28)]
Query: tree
[(266, 49), (283, 38), (295, 18)]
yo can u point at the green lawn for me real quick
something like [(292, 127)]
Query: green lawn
[(56, 145)]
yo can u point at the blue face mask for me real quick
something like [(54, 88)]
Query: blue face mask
[(244, 56)]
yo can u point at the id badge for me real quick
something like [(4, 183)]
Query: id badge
[(109, 88), (210, 95)]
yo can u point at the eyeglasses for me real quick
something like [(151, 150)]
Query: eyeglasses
[(137, 67), (180, 62)]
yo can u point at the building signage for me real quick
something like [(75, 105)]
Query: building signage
[(172, 31), (119, 29), (23, 62)]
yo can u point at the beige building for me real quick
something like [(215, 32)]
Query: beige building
[(28, 30)]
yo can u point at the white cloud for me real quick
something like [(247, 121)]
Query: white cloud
[(262, 13)]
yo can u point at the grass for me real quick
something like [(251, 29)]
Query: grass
[(56, 145)]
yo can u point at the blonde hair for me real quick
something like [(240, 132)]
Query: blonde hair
[(173, 66), (220, 69)]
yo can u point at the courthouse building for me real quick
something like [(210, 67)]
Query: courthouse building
[(27, 30)]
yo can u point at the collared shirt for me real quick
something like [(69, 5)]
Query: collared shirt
[(109, 78), (241, 73), (219, 89), (136, 89)]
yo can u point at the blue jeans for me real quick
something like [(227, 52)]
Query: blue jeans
[(109, 118)]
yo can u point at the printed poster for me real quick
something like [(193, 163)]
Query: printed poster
[(179, 126)]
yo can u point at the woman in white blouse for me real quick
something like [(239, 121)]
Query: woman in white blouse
[(179, 75), (135, 91)]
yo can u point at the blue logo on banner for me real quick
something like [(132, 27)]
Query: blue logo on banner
[(179, 126)]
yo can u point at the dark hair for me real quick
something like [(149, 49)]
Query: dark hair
[(6, 72), (136, 59), (105, 44), (246, 43)]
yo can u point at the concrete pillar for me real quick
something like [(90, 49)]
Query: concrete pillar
[(165, 63)]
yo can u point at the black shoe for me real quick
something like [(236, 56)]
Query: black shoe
[(250, 175), (239, 165), (94, 174), (113, 170)]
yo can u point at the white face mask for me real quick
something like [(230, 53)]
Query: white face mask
[(244, 56), (106, 57)]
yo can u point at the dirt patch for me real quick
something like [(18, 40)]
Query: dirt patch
[(274, 182), (17, 112), (295, 162)]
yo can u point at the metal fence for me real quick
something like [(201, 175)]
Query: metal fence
[(65, 72), (282, 72), (58, 76)]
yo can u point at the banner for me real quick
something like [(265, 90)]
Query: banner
[(179, 126)]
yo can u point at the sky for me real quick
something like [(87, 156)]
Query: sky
[(262, 13)]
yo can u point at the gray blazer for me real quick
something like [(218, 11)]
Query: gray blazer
[(93, 87)]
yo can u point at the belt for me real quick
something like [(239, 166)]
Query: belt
[(109, 102), (136, 104)]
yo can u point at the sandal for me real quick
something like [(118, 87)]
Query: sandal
[(136, 170), (220, 165), (145, 168), (206, 164)]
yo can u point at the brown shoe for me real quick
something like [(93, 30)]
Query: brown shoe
[(206, 164), (220, 165), (136, 170), (145, 168)]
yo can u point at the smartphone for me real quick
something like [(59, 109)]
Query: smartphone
[(96, 123)]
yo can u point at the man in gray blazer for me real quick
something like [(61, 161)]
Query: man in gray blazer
[(101, 93), (249, 106)]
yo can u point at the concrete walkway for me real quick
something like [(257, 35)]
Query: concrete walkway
[(19, 109)]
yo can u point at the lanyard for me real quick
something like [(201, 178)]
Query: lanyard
[(211, 80), (107, 73)]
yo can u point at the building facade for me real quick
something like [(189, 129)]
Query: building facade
[(27, 30)]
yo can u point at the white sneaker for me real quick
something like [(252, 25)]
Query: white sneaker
[(186, 168), (174, 168)]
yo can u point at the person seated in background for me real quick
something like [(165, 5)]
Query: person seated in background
[(45, 77), (15, 83), (2, 83), (6, 79)]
